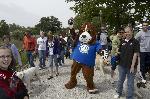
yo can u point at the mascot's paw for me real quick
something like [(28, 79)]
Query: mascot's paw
[(71, 84), (93, 91)]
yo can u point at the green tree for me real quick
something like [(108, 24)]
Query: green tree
[(16, 31), (47, 24), (34, 30), (17, 34), (114, 12), (4, 28), (13, 27)]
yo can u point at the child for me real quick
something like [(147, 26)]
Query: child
[(116, 39), (11, 87), (53, 55)]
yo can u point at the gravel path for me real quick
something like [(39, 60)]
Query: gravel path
[(54, 88)]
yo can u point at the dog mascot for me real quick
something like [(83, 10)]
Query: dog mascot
[(83, 56)]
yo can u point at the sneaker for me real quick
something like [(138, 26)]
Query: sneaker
[(57, 74), (112, 81), (40, 68), (116, 96), (144, 81), (93, 91), (50, 77), (44, 67)]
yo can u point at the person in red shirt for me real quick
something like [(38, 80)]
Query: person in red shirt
[(29, 45)]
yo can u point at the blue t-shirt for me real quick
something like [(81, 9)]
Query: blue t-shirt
[(86, 54)]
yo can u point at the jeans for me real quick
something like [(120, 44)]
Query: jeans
[(62, 56), (114, 63), (123, 72), (53, 58), (104, 47), (59, 60), (42, 57), (144, 63), (30, 58)]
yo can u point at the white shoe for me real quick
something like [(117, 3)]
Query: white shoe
[(93, 91), (144, 81), (112, 81), (116, 96)]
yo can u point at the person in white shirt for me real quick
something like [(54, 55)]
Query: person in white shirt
[(103, 38), (41, 46), (52, 55), (143, 37)]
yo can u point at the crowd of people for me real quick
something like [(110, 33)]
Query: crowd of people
[(46, 46), (126, 51), (51, 47)]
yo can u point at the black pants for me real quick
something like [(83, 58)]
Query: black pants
[(144, 63)]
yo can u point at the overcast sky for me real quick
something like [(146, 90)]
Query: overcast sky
[(28, 12)]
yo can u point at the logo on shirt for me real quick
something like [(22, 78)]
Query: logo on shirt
[(51, 44), (84, 49), (3, 76)]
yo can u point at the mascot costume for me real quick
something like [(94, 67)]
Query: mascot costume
[(83, 56)]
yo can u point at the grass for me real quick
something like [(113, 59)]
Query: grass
[(22, 54)]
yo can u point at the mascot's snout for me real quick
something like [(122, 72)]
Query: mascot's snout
[(85, 37)]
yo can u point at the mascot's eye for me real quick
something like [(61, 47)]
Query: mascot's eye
[(89, 31)]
